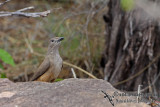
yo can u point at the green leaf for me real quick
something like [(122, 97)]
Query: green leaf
[(127, 5), (3, 75), (1, 66), (6, 57), (58, 79)]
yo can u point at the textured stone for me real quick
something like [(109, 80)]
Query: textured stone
[(66, 93)]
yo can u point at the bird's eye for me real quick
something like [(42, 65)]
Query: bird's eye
[(52, 40)]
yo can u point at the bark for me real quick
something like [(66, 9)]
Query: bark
[(132, 43)]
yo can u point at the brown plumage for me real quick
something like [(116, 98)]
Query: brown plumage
[(51, 66)]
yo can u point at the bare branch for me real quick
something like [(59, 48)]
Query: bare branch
[(27, 8), (19, 13), (1, 4), (73, 72)]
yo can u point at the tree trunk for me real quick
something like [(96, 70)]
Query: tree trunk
[(132, 49)]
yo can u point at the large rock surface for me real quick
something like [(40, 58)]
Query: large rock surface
[(67, 93)]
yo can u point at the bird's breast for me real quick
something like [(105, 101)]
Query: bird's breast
[(56, 64)]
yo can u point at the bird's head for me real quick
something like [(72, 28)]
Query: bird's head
[(55, 42)]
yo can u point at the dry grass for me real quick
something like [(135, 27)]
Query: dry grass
[(80, 23)]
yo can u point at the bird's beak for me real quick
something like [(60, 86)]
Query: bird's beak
[(60, 39)]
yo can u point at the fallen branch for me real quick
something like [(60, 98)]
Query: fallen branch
[(80, 69), (1, 4), (21, 12), (138, 73), (73, 72)]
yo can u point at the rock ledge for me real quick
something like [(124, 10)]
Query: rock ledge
[(66, 93)]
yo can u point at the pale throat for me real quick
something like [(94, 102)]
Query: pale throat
[(53, 50)]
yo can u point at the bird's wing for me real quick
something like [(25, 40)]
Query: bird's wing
[(42, 69)]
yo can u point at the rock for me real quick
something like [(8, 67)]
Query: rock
[(66, 93)]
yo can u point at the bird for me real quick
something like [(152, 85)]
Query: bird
[(52, 64)]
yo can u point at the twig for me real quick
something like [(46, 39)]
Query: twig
[(82, 70), (139, 93), (74, 14), (138, 73), (26, 75), (38, 54), (19, 13), (27, 8), (1, 4), (17, 65), (29, 45), (151, 83), (89, 17), (74, 74)]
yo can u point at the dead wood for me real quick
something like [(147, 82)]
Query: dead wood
[(132, 43)]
